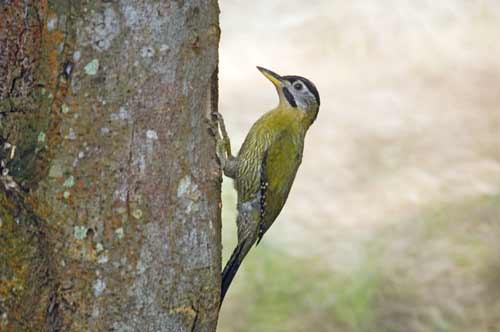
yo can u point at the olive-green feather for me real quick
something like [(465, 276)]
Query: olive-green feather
[(267, 163), (279, 135), (283, 160)]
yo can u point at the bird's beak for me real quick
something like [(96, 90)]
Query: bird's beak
[(276, 79)]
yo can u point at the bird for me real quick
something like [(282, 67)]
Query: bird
[(267, 162)]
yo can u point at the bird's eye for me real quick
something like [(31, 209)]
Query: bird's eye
[(297, 86)]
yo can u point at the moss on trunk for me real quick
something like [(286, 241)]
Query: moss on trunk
[(110, 191)]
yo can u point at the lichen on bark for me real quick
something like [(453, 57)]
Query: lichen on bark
[(114, 222)]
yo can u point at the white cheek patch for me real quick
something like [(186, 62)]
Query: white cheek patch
[(303, 95), (301, 102)]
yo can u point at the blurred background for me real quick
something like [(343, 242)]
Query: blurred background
[(393, 223)]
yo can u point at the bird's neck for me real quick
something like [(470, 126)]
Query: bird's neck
[(290, 118)]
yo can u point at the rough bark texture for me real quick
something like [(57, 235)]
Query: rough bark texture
[(110, 190)]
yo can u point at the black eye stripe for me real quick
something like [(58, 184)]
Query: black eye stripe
[(289, 97)]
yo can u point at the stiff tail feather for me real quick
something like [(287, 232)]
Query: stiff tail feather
[(232, 266)]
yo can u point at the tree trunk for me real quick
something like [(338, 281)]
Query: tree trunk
[(110, 189)]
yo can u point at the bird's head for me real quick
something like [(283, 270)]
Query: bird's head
[(295, 93)]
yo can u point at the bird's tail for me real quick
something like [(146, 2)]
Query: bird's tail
[(232, 265)]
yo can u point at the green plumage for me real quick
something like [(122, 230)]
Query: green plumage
[(267, 163), (280, 137)]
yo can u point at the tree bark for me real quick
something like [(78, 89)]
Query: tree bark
[(109, 185)]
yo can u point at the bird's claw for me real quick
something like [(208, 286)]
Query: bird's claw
[(216, 122), (213, 125), (217, 116)]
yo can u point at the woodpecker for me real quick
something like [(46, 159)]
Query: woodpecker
[(266, 165)]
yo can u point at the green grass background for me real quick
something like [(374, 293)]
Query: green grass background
[(437, 271)]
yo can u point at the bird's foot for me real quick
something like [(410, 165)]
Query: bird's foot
[(216, 123)]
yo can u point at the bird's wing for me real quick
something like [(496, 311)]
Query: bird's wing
[(250, 159)]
